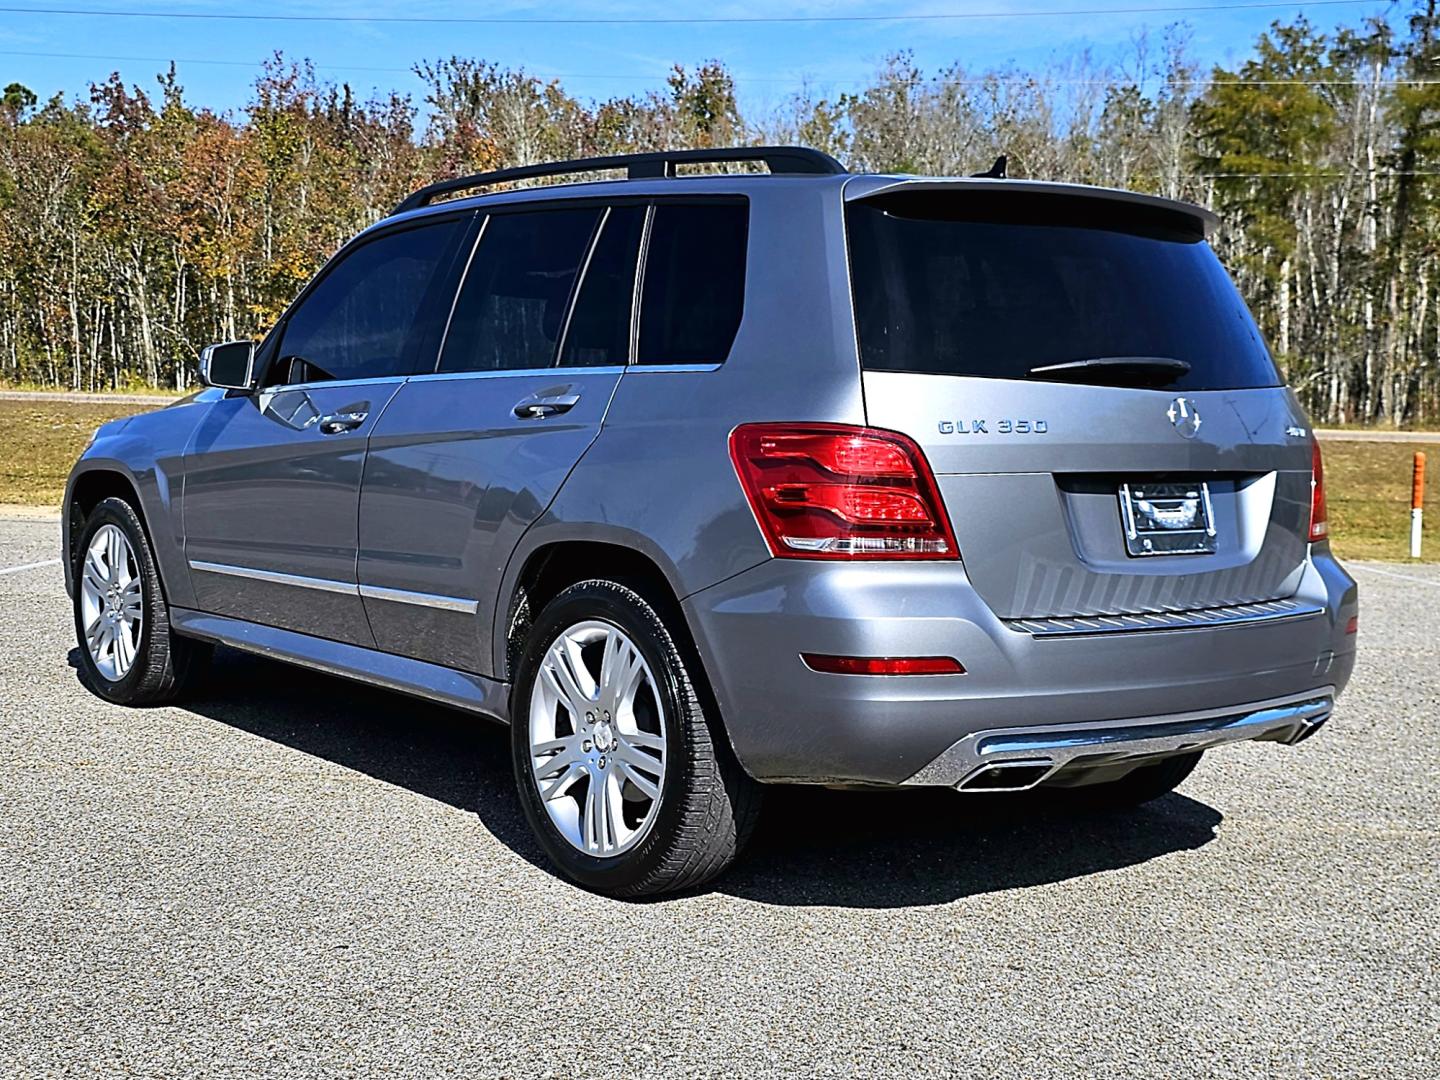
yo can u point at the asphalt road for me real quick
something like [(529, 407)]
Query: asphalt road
[(293, 875)]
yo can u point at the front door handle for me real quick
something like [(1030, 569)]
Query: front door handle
[(539, 406), (336, 422)]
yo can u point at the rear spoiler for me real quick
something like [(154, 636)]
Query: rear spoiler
[(871, 186)]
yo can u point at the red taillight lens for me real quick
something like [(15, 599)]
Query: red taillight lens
[(1319, 518), (882, 665), (832, 491)]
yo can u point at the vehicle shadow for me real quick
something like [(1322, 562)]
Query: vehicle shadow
[(813, 846)]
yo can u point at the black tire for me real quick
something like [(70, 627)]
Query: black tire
[(1141, 785), (707, 806), (166, 665)]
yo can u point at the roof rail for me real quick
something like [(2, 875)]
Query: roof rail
[(780, 159)]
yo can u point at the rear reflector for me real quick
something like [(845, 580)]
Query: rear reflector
[(882, 665), (833, 491), (1319, 518), (1353, 625)]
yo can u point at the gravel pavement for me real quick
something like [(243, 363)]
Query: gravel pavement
[(293, 875)]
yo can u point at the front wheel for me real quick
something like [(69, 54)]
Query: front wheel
[(628, 785), (127, 650)]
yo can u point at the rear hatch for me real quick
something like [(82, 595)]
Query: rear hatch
[(1107, 428)]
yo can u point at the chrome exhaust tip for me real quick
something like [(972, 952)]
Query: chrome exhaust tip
[(1305, 729), (1007, 776)]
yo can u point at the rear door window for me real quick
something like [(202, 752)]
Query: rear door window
[(599, 330), (511, 309), (376, 311), (997, 285), (694, 289)]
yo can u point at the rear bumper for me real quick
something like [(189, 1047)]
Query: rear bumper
[(788, 723), (1012, 759)]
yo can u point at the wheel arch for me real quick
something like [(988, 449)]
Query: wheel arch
[(95, 480), (540, 571), (546, 567)]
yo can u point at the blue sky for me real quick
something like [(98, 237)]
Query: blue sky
[(769, 60)]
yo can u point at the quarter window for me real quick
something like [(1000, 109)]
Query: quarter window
[(511, 309), (694, 288), (374, 312)]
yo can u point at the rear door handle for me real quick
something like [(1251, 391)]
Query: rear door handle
[(539, 406), (336, 422)]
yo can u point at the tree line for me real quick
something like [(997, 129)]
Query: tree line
[(136, 226)]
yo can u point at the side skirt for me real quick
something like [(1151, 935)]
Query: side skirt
[(460, 689)]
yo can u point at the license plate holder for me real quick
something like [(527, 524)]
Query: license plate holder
[(1167, 518)]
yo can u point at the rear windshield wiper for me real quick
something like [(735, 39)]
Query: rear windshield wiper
[(1115, 370)]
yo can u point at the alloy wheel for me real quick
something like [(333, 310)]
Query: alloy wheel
[(597, 739), (111, 602)]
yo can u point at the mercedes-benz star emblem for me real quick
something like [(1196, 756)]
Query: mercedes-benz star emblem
[(1184, 417)]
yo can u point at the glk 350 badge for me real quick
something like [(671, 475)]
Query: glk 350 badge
[(1002, 427)]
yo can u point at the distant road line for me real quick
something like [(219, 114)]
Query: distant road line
[(28, 566), (1392, 574)]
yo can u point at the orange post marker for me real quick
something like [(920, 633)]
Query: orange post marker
[(1417, 503)]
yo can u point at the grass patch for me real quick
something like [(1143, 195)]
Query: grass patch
[(1368, 484), (39, 442)]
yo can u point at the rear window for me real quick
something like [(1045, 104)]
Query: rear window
[(996, 285)]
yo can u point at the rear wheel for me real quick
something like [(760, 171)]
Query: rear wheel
[(1141, 785), (127, 650), (627, 783)]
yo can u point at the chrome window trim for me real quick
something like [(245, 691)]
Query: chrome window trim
[(274, 577), (517, 373), (663, 369), (420, 599), (321, 384)]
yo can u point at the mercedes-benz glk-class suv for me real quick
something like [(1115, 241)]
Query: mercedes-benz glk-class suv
[(707, 482)]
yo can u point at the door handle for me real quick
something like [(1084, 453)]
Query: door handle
[(539, 406), (335, 423)]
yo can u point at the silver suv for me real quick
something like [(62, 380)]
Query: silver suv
[(704, 482)]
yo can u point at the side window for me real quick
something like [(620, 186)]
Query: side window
[(511, 308), (694, 287), (373, 312), (599, 333)]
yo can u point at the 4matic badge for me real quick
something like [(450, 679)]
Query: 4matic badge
[(1002, 427)]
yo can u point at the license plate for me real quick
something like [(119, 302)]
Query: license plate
[(1167, 519)]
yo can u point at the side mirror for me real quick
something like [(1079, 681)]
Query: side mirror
[(230, 366)]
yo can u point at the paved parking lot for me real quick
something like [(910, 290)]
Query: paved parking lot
[(294, 875)]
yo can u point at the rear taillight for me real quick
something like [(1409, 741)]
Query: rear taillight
[(832, 491), (1319, 519)]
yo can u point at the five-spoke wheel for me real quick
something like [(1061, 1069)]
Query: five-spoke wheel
[(597, 738), (619, 769), (111, 602), (127, 650)]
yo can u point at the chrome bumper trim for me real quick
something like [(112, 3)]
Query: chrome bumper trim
[(1036, 754), (1236, 614)]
